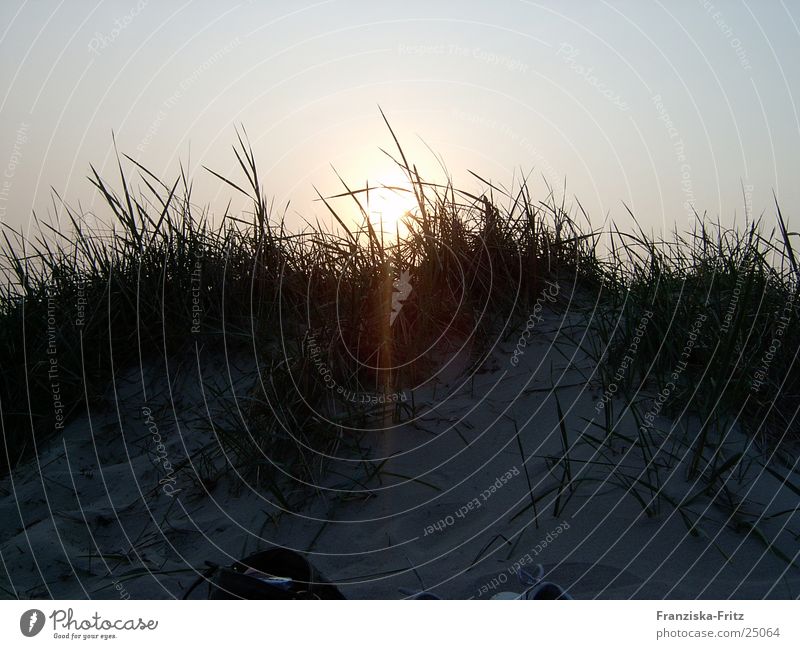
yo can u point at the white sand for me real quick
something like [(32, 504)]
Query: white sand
[(89, 516)]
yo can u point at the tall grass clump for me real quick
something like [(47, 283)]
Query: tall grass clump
[(696, 350), (83, 302), (719, 308)]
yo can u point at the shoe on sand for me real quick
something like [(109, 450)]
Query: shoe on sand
[(535, 587), (546, 590), (271, 574)]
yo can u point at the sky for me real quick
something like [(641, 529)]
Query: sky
[(665, 108)]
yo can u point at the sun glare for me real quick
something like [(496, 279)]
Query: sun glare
[(387, 208)]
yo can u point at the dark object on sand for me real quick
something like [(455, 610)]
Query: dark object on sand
[(272, 574)]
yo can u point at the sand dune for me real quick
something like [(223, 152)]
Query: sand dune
[(107, 512)]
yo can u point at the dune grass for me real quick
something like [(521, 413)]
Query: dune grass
[(80, 305), (696, 365)]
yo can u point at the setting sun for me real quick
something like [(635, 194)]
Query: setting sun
[(387, 205)]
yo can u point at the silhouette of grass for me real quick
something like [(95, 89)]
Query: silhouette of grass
[(78, 307)]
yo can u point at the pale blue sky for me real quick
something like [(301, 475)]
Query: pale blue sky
[(570, 89)]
